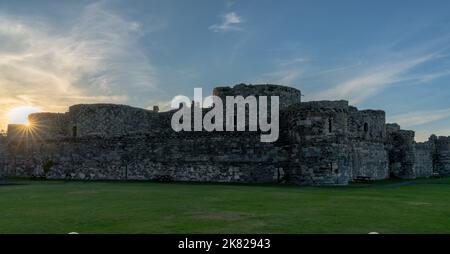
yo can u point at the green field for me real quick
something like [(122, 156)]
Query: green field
[(418, 206)]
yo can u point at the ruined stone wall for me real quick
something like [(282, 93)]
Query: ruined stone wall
[(50, 125), (391, 128), (318, 119), (330, 145), (320, 143), (367, 136), (442, 166), (287, 95), (400, 145), (210, 157), (16, 131), (368, 159), (368, 125), (3, 156), (423, 164), (319, 154), (92, 120), (109, 120)]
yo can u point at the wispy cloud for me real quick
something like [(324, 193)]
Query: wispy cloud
[(230, 22), (421, 117), (374, 79), (413, 120), (431, 76), (282, 77), (292, 61), (95, 59)]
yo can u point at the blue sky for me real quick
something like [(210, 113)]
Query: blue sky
[(390, 55)]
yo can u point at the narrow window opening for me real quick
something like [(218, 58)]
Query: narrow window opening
[(330, 125), (366, 127), (74, 131)]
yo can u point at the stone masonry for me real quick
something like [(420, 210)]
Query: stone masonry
[(320, 143)]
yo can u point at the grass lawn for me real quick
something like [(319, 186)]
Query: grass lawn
[(418, 206)]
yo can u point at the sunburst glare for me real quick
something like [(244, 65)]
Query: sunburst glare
[(19, 115)]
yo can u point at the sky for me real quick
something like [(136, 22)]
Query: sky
[(389, 55)]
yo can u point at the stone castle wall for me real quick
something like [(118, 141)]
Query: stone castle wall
[(317, 137), (423, 164), (321, 143), (442, 155), (106, 120), (287, 95), (400, 145), (368, 125), (369, 160), (3, 156), (334, 142), (50, 125), (212, 157)]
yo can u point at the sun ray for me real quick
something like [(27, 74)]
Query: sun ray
[(22, 129), (19, 115)]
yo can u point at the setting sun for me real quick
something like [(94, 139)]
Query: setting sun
[(19, 115)]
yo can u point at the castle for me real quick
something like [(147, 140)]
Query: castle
[(320, 143)]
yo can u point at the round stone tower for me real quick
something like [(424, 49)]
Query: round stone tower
[(287, 95)]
